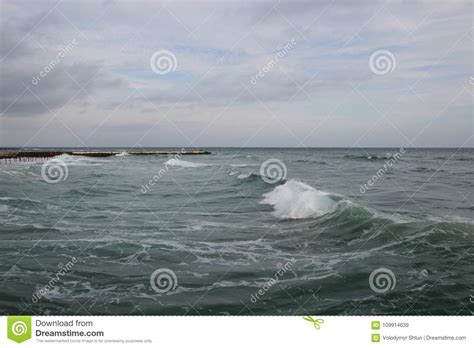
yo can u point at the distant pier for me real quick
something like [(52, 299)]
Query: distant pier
[(30, 155)]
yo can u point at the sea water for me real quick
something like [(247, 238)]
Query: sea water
[(306, 237)]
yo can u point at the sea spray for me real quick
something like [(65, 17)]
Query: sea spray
[(297, 200), (185, 164)]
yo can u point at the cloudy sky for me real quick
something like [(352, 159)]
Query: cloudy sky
[(236, 73)]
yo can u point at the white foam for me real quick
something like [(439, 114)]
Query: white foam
[(65, 157), (179, 163), (244, 176), (297, 200), (241, 165), (73, 160), (121, 154)]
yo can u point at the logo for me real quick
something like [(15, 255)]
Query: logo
[(376, 338), (163, 280), (316, 322), (163, 62), (382, 280), (382, 62), (54, 171), (273, 170), (19, 328)]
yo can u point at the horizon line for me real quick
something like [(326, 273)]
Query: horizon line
[(231, 147)]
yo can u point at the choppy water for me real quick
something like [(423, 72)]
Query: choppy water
[(226, 233)]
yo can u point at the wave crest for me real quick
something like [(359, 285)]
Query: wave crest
[(186, 164), (297, 200)]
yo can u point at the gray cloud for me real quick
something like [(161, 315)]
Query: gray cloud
[(221, 46)]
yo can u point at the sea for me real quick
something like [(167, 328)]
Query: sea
[(240, 231)]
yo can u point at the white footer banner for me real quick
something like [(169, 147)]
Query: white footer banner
[(237, 331)]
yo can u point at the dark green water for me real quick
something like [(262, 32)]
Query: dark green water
[(236, 243)]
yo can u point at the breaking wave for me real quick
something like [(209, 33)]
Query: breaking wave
[(186, 164), (297, 200)]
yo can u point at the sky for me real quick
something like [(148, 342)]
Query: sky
[(236, 73)]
